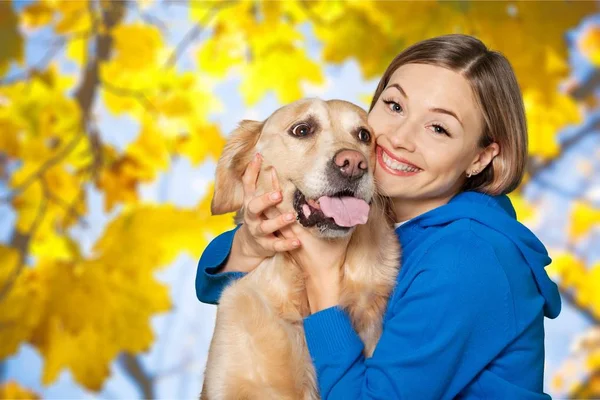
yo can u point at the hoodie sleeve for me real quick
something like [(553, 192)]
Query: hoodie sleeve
[(209, 281), (447, 321)]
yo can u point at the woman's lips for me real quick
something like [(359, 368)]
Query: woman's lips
[(390, 170)]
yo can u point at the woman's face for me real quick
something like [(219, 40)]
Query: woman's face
[(427, 124)]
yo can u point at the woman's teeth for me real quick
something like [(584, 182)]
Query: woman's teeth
[(397, 166)]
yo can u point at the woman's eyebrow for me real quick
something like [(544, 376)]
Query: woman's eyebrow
[(435, 109), (444, 111), (395, 85)]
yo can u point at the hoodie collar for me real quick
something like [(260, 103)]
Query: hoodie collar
[(497, 213)]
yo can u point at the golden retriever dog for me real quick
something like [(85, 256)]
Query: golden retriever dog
[(324, 154)]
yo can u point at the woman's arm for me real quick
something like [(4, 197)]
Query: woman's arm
[(232, 254), (448, 321), (227, 258), (211, 277)]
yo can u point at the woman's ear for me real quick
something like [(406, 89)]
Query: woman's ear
[(483, 159), (237, 154)]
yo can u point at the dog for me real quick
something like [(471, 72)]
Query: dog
[(323, 153)]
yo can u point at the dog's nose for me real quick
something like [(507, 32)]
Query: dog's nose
[(351, 163)]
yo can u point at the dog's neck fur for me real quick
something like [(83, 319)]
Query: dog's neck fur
[(286, 286)]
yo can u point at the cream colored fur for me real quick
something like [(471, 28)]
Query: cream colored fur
[(258, 350)]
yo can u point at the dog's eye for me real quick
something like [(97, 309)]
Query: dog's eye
[(301, 130), (364, 135)]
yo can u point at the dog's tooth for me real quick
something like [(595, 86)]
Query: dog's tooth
[(306, 210), (314, 204)]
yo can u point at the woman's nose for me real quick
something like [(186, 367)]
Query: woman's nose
[(403, 136)]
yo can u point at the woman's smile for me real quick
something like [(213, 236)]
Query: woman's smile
[(395, 165)]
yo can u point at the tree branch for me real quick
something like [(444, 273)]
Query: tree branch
[(20, 242), (139, 96), (194, 32), (49, 163), (582, 391), (40, 65), (112, 14), (133, 366), (70, 208), (188, 38), (535, 167), (588, 314), (149, 18)]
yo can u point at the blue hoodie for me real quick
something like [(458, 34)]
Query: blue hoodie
[(466, 318)]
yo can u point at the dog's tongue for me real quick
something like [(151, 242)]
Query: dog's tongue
[(346, 211)]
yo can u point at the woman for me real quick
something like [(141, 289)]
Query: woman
[(466, 317)]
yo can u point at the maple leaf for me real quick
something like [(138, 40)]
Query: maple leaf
[(11, 390), (12, 42)]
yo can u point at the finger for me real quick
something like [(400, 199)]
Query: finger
[(288, 233), (269, 226), (285, 245), (275, 180), (296, 230), (259, 204), (251, 175)]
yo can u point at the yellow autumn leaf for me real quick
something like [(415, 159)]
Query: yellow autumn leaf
[(136, 46), (11, 390), (116, 286), (141, 162), (546, 115), (21, 311), (366, 25), (12, 42), (55, 246), (149, 152), (278, 65), (221, 52), (10, 128), (77, 50), (74, 16), (9, 258), (204, 141), (37, 14), (47, 200), (85, 339), (119, 182), (568, 269), (120, 305), (589, 44), (523, 208), (40, 113), (160, 232), (584, 217)]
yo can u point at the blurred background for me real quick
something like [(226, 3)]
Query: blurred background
[(112, 115)]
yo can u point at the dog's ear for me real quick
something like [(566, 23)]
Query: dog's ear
[(237, 154)]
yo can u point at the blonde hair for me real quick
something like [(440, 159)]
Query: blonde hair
[(497, 93)]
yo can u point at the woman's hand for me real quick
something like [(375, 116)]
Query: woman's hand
[(256, 239)]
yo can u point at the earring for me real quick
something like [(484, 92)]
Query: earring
[(473, 173)]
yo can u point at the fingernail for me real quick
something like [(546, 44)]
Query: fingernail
[(257, 157), (295, 243), (275, 196), (289, 217)]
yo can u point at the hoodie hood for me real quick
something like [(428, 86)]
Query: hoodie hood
[(497, 213)]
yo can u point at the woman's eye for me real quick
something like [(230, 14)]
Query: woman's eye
[(440, 129), (393, 106), (301, 130), (364, 135)]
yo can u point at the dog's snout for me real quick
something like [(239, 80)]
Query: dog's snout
[(351, 163)]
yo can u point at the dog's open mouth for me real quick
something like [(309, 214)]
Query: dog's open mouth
[(341, 210)]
